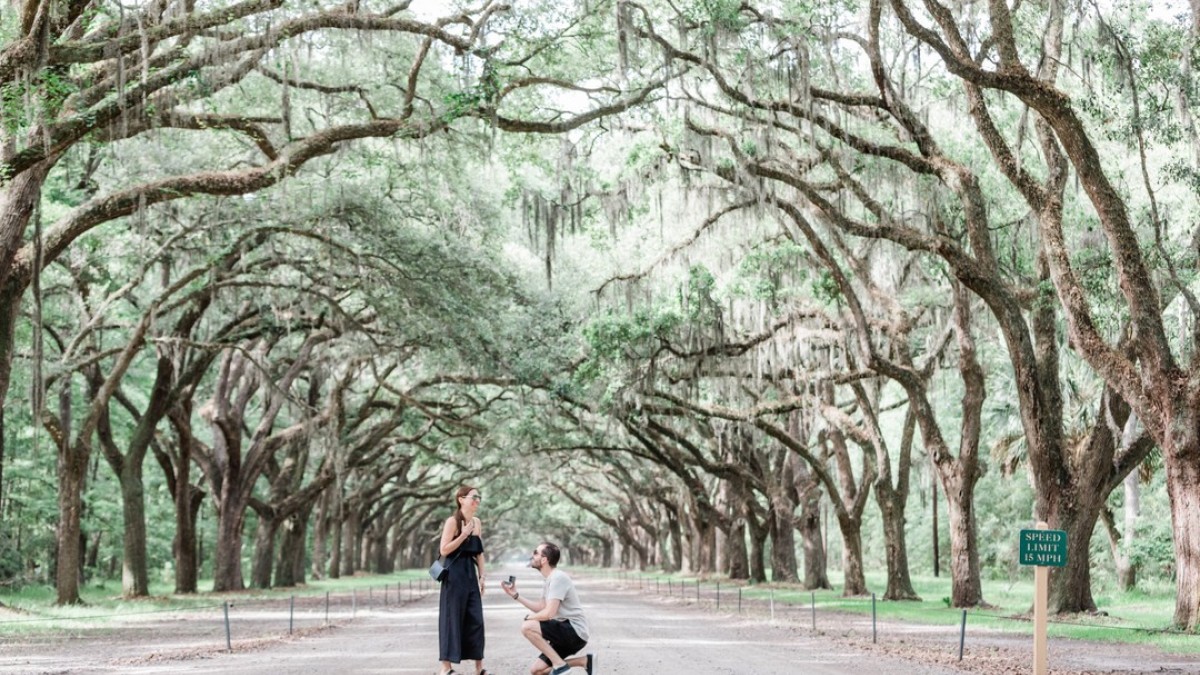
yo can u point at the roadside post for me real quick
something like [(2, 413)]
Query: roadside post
[(1044, 548)]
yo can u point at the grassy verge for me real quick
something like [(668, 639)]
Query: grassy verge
[(31, 609)]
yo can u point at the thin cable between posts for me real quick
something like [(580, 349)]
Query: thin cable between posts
[(90, 617), (1136, 629), (241, 618), (769, 605)]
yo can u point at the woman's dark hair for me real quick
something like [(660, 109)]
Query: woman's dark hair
[(551, 553), (458, 514)]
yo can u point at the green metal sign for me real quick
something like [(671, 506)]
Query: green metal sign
[(1044, 548)]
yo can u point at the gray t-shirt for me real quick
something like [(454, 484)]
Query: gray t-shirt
[(558, 586)]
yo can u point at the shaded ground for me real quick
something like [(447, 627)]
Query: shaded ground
[(633, 633)]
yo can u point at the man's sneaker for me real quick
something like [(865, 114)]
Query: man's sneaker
[(564, 668), (591, 661)]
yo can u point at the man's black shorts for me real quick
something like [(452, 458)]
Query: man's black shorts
[(562, 639)]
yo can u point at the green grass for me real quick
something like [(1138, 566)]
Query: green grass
[(1141, 616), (31, 609)]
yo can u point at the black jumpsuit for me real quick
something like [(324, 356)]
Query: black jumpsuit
[(460, 625)]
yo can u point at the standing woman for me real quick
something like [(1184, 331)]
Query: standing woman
[(460, 624)]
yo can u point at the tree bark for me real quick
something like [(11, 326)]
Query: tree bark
[(899, 583), (381, 560), (262, 558), (334, 540), (10, 309), (780, 519), (1183, 489), (758, 544), (852, 556), (289, 570), (966, 588), (809, 525), (227, 555), (704, 535), (3, 437), (321, 532), (351, 528), (187, 503), (72, 475), (675, 537), (737, 560), (19, 197), (135, 577)]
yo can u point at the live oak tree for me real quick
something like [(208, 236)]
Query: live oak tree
[(814, 130), (1151, 374)]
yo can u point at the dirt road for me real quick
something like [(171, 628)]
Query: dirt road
[(632, 633)]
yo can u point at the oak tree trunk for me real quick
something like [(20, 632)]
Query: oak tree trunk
[(1183, 489), (227, 558), (321, 532), (187, 545), (72, 472), (783, 539), (758, 545), (899, 582), (187, 504), (334, 568), (135, 577), (809, 525), (289, 570), (737, 559), (966, 589), (349, 543), (263, 556), (852, 557), (675, 534)]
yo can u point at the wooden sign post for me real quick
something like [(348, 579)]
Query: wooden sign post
[(1044, 548)]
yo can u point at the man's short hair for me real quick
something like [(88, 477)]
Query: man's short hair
[(551, 553)]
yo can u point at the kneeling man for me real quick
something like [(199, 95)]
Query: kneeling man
[(556, 626)]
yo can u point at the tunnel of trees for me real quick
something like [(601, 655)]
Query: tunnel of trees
[(759, 290)]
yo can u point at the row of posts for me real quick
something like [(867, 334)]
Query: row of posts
[(412, 590), (962, 634)]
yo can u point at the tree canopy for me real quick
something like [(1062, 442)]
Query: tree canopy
[(679, 284)]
